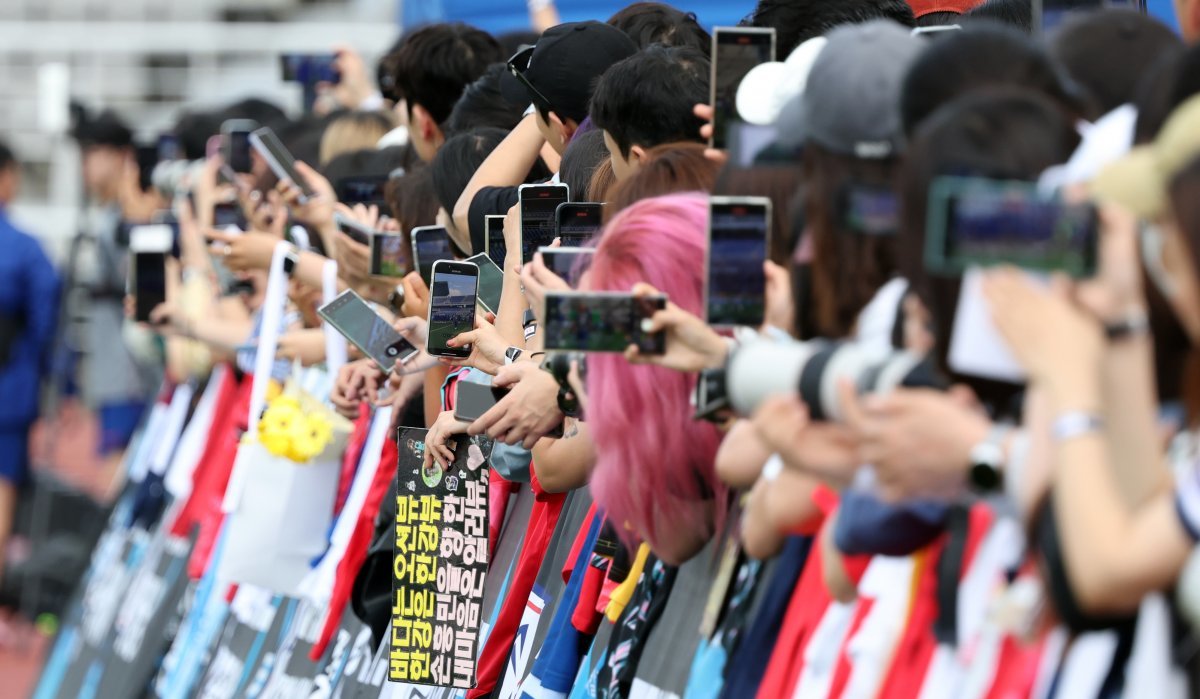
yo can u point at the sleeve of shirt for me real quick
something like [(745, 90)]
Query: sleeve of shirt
[(1187, 499), (488, 201), (870, 526), (41, 303)]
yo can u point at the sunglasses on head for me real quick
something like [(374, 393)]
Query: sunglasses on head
[(517, 65)]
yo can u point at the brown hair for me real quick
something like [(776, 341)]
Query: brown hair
[(353, 131), (779, 183), (669, 168), (1185, 203), (412, 200), (602, 181)]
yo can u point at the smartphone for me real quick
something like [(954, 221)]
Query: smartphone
[(567, 263), (577, 222), (539, 204), (235, 143), (353, 229), (366, 190), (367, 330), (228, 213), (472, 400), (735, 51), (308, 68), (491, 282), (169, 148), (149, 246), (494, 244), (279, 159), (976, 221), (146, 157), (1049, 14), (934, 32), (389, 255), (430, 244), (601, 322), (452, 297), (739, 235), (869, 210)]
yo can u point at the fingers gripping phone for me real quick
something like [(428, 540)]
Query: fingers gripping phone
[(491, 282), (601, 322), (472, 400), (576, 223), (567, 263), (149, 246), (453, 293), (235, 143), (739, 235), (350, 315), (539, 204), (735, 51), (365, 190), (430, 244), (279, 160)]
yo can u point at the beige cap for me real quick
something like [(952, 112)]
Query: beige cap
[(1139, 181)]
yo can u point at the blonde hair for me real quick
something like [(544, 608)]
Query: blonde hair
[(353, 131)]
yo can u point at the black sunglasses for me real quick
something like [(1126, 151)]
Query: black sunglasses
[(517, 65)]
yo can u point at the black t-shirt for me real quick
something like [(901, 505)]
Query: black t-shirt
[(488, 201)]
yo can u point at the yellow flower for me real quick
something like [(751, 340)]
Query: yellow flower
[(310, 441), (278, 425)]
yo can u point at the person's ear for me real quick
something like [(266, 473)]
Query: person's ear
[(637, 156), (558, 127), (426, 127)]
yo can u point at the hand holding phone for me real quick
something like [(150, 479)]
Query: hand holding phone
[(735, 51), (538, 205), (577, 223), (281, 162), (472, 400), (601, 322), (452, 298), (430, 244), (350, 315)]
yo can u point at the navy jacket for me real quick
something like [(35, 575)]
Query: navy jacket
[(29, 293)]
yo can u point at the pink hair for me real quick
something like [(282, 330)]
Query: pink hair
[(654, 466)]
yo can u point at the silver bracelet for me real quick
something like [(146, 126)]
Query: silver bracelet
[(1073, 424)]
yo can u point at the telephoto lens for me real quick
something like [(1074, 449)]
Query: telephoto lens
[(759, 370)]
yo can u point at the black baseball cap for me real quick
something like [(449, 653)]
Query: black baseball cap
[(565, 65)]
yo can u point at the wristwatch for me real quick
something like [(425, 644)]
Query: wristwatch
[(512, 354), (290, 259), (1131, 325), (986, 475)]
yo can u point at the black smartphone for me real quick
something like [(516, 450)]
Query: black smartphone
[(739, 234), (308, 68), (430, 244), (389, 255), (567, 263), (601, 322), (735, 51), (453, 294), (146, 157), (150, 245), (169, 148), (1049, 14), (350, 315), (279, 159), (539, 204), (975, 221), (353, 229), (494, 244), (577, 222), (235, 143), (869, 210), (366, 190), (228, 213), (491, 282), (472, 400)]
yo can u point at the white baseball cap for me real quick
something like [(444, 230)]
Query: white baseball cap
[(769, 86)]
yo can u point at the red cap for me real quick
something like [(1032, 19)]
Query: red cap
[(921, 8)]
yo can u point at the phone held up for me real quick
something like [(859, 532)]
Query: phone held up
[(735, 51), (538, 206), (739, 235), (453, 293), (350, 315), (430, 244), (601, 322), (149, 246)]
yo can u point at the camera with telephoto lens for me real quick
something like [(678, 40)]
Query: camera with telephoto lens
[(814, 369)]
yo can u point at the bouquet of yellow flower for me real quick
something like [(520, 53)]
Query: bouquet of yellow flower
[(298, 427)]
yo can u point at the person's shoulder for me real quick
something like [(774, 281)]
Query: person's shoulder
[(16, 240)]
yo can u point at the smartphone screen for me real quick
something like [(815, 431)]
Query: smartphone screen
[(567, 263), (367, 330), (389, 255), (228, 214), (494, 245), (452, 298), (430, 245), (237, 150), (169, 148), (869, 210), (739, 235), (578, 222), (736, 50), (308, 69), (362, 190), (539, 203), (472, 400), (491, 282), (278, 158), (601, 322), (982, 222), (149, 283), (1049, 14), (353, 229)]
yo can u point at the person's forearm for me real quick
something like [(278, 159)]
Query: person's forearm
[(565, 464), (1130, 420), (435, 376), (741, 456), (219, 333), (510, 320), (310, 271), (507, 166)]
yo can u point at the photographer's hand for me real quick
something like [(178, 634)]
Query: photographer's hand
[(244, 251), (529, 411), (691, 345), (823, 449), (317, 210)]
